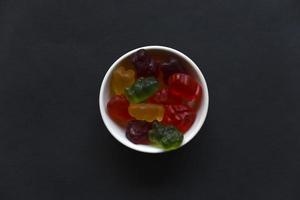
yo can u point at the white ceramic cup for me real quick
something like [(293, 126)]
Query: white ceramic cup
[(118, 132)]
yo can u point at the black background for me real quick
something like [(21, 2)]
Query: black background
[(54, 54)]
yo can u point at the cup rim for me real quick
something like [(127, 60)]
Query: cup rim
[(142, 148)]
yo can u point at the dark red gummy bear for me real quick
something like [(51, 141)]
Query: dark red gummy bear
[(117, 108), (170, 67), (180, 116), (185, 86), (163, 96), (137, 131), (145, 66)]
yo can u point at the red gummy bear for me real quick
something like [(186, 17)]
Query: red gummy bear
[(118, 109), (185, 86), (163, 96), (180, 116)]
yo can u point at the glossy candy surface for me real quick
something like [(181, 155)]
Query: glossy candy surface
[(184, 86), (170, 67), (117, 108), (145, 66), (180, 116), (146, 111), (166, 137), (137, 131), (154, 98), (121, 79), (163, 96), (142, 89)]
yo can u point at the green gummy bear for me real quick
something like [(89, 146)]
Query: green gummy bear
[(142, 89), (166, 137)]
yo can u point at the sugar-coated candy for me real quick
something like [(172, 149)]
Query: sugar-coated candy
[(145, 66), (146, 111), (185, 86), (121, 79), (142, 89), (117, 108), (166, 137), (137, 131), (170, 67), (180, 116), (163, 96)]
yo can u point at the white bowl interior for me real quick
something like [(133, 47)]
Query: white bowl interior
[(119, 132)]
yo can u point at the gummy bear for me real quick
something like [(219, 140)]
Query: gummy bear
[(142, 89), (117, 108), (163, 96), (166, 137), (170, 67), (180, 116), (121, 79), (145, 65), (137, 131), (184, 85), (146, 111), (194, 104)]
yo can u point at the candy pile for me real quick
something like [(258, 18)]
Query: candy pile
[(155, 100)]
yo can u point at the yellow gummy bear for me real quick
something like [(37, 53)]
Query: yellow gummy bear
[(146, 111), (121, 79)]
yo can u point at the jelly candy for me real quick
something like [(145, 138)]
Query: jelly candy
[(155, 99), (194, 104), (121, 79), (184, 85), (180, 116), (166, 137), (163, 96), (171, 67), (137, 131), (146, 111), (117, 108), (145, 66), (142, 89), (160, 78)]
